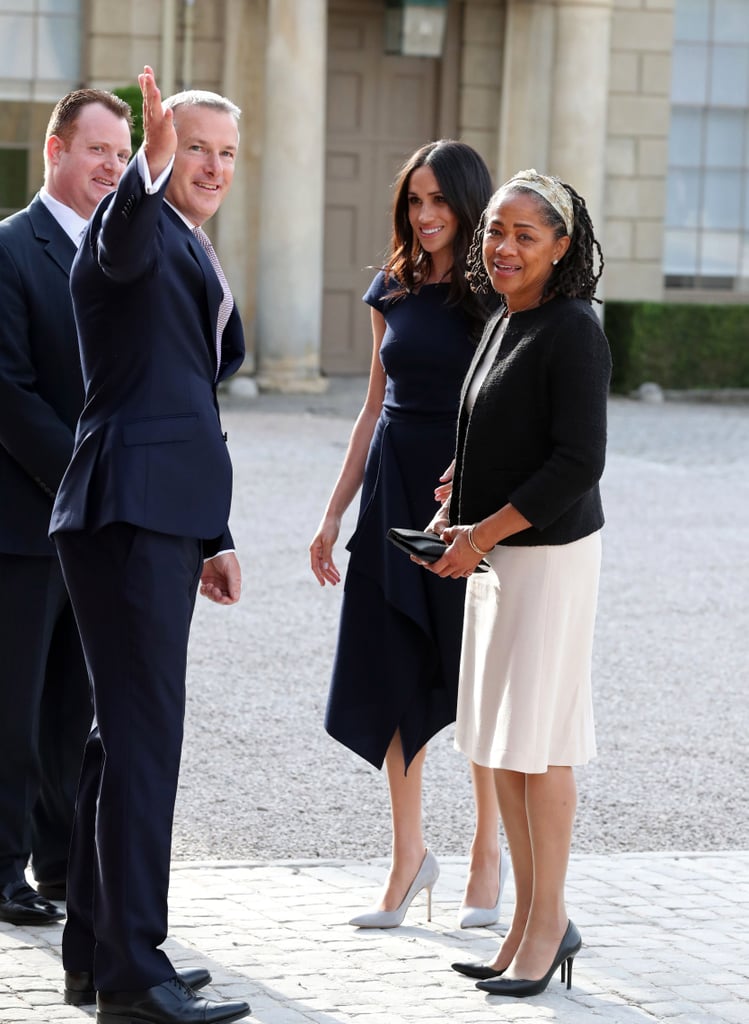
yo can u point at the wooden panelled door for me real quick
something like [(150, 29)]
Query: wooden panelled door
[(379, 110)]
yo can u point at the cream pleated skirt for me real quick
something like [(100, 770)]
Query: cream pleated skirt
[(524, 698)]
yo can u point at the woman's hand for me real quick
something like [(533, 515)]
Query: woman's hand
[(441, 518), (321, 552), (459, 560), (440, 521), (443, 492)]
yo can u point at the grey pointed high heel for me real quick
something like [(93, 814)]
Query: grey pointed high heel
[(425, 878), (482, 917)]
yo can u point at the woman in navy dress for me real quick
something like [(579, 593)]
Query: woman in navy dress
[(395, 675)]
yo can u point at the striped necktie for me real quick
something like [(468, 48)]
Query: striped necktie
[(227, 302)]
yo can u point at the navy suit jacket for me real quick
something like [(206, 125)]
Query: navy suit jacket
[(149, 449), (41, 388)]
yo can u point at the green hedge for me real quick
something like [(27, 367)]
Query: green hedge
[(131, 94), (678, 346)]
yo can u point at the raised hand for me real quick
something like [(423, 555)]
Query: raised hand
[(159, 133)]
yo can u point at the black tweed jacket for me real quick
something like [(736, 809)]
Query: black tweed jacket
[(536, 436)]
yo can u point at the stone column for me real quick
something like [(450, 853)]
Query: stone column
[(290, 271), (579, 98), (166, 73), (525, 106), (236, 229)]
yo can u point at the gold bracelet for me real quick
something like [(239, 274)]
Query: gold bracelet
[(473, 543)]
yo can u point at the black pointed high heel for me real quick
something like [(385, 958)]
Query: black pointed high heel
[(482, 971), (569, 947)]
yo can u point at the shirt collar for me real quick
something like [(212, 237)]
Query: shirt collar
[(71, 223), (181, 215)]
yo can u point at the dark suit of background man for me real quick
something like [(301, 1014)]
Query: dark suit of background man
[(44, 692), (144, 500)]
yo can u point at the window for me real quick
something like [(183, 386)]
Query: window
[(40, 60), (14, 169), (40, 48), (707, 211)]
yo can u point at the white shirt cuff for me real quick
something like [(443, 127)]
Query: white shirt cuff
[(226, 551), (142, 164)]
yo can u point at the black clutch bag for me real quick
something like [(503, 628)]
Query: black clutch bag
[(427, 547)]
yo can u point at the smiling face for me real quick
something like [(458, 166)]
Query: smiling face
[(82, 171), (519, 248), (207, 140), (432, 220)]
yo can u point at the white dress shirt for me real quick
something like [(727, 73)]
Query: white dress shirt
[(71, 222)]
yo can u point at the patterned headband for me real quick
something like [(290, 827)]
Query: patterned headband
[(552, 190)]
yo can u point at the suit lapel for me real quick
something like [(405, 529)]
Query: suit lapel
[(213, 290), (48, 232)]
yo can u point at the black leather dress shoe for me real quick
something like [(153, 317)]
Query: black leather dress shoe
[(172, 1002), (80, 991), (52, 890), (20, 904)]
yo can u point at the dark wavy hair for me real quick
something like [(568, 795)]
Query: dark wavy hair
[(576, 275), (464, 181)]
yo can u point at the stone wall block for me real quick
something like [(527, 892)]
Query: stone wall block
[(483, 66), (656, 74), (652, 157), (624, 76), (629, 281), (621, 157), (639, 115), (642, 31), (111, 17), (478, 108), (619, 240), (483, 23), (648, 240), (145, 17)]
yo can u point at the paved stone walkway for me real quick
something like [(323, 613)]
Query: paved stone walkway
[(665, 934), (665, 939)]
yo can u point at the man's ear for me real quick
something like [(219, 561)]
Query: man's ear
[(53, 147)]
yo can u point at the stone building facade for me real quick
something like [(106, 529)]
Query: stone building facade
[(600, 92)]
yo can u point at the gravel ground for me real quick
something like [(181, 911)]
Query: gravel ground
[(261, 778)]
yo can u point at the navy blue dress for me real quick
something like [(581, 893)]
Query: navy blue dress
[(398, 654)]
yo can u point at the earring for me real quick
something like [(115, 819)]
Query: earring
[(554, 262)]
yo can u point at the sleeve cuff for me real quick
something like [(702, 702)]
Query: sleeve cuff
[(151, 187), (224, 551)]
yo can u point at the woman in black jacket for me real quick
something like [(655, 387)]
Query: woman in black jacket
[(525, 496)]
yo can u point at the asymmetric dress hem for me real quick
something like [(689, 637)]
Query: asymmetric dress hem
[(398, 652)]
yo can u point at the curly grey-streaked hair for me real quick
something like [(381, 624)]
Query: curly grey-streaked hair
[(580, 268)]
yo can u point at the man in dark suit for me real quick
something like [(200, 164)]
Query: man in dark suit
[(46, 708), (140, 522)]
